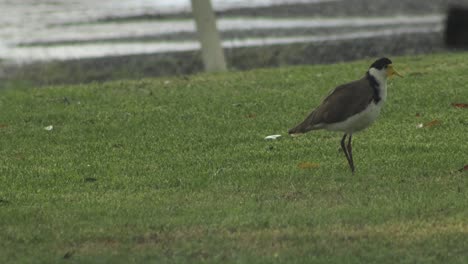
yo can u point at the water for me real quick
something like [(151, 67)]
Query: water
[(27, 27)]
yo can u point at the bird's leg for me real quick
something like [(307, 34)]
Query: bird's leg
[(350, 153), (345, 150)]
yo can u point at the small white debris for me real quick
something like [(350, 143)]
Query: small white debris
[(272, 137), (420, 125), (49, 128)]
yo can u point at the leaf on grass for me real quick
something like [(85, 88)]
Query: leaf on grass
[(308, 165), (418, 115), (69, 254), (251, 115), (460, 105), (465, 168), (3, 125), (432, 123), (90, 179), (117, 145)]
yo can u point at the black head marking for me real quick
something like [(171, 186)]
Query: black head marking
[(381, 63)]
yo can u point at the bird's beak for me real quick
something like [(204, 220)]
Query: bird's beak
[(391, 71)]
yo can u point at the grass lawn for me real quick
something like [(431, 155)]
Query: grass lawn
[(177, 170)]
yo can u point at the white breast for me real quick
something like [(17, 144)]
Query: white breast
[(358, 121), (363, 119)]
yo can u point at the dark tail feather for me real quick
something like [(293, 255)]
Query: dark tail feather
[(299, 129), (303, 127)]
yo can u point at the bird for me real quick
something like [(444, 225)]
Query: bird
[(351, 107)]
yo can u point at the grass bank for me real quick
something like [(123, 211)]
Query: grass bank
[(177, 170)]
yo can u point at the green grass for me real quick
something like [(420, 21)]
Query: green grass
[(177, 170)]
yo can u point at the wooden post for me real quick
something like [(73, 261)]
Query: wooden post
[(212, 51)]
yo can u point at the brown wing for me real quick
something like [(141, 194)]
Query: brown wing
[(342, 102)]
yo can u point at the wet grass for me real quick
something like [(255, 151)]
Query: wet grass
[(177, 170)]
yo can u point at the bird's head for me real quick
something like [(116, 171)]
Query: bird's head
[(383, 68)]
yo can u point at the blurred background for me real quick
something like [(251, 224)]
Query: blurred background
[(73, 41)]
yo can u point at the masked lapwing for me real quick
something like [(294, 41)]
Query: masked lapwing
[(351, 107)]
